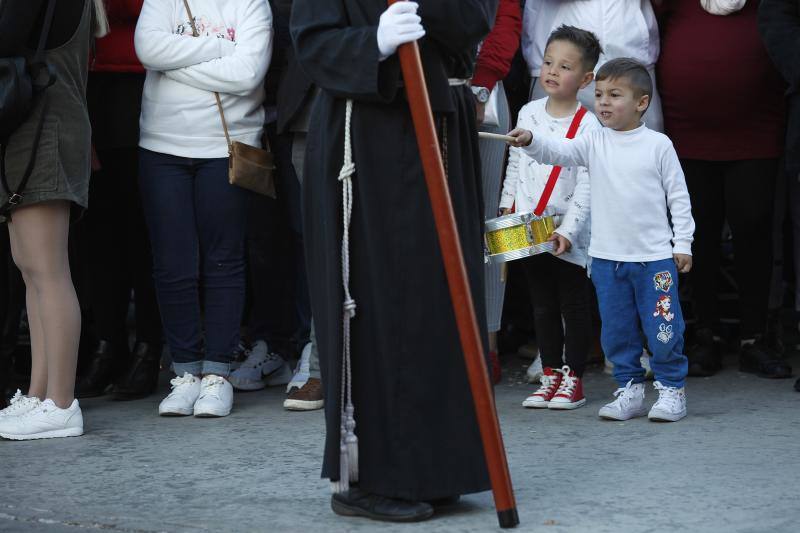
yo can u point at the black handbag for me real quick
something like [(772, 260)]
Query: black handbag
[(22, 85)]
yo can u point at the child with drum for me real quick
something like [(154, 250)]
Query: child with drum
[(559, 286), (641, 237)]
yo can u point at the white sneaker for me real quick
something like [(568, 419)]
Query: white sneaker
[(535, 371), (180, 402), (46, 421), (261, 369), (216, 397), (20, 404), (671, 404), (629, 403), (303, 370)]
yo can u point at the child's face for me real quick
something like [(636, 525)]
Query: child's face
[(617, 106), (563, 72)]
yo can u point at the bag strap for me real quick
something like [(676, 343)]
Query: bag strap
[(195, 33), (556, 172)]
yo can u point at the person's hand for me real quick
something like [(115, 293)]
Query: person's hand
[(480, 112), (504, 211), (398, 25), (683, 262), (523, 137), (561, 243)]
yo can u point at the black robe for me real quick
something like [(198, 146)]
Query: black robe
[(417, 429)]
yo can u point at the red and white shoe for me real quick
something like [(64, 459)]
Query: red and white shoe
[(570, 391), (550, 380)]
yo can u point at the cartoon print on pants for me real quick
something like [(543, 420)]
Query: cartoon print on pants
[(663, 306), (665, 333), (663, 281)]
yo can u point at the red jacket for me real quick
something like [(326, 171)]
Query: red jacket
[(115, 52), (499, 48)]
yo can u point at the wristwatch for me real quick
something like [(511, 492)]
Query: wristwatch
[(481, 94)]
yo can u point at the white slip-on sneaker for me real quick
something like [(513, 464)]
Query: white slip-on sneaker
[(670, 406), (46, 421), (629, 403), (303, 370), (216, 397), (261, 369), (20, 404), (180, 402)]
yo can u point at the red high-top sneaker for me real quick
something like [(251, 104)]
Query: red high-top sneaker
[(570, 391), (551, 379)]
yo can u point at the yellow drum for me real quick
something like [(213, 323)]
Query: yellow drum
[(518, 235)]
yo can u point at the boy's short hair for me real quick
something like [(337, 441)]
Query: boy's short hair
[(634, 72), (584, 40)]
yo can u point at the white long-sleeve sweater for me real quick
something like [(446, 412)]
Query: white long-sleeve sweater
[(637, 184), (526, 179), (231, 56)]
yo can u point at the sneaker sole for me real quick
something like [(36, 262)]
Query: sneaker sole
[(343, 509), (211, 414), (566, 406), (665, 417), (55, 434), (611, 416), (537, 405), (175, 413), (301, 405)]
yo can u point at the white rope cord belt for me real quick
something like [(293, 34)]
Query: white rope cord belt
[(348, 443)]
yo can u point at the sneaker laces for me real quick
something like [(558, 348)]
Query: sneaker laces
[(568, 383), (185, 379), (624, 395), (671, 396), (548, 382), (212, 386), (20, 402)]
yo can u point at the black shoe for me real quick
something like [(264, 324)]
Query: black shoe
[(441, 503), (141, 377), (356, 502), (758, 359), (705, 354), (100, 372)]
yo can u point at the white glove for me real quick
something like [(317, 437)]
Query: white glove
[(398, 25)]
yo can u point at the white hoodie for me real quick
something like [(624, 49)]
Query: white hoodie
[(231, 56)]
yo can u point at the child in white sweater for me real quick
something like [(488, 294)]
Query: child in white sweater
[(559, 286), (642, 230)]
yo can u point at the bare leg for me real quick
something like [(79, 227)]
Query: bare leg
[(39, 235)]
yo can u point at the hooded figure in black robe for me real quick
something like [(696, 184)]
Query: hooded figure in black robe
[(416, 425)]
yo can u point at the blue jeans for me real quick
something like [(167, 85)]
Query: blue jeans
[(636, 298), (197, 223)]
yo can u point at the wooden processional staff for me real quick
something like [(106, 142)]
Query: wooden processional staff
[(460, 293)]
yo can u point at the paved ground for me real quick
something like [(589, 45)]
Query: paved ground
[(732, 466)]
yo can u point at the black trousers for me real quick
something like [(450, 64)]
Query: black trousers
[(120, 256), (562, 310), (743, 192)]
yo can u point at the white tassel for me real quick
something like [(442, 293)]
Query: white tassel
[(351, 443)]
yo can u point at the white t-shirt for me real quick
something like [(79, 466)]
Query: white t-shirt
[(636, 185), (526, 179), (625, 28), (231, 56)]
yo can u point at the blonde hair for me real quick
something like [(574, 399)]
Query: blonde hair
[(100, 21)]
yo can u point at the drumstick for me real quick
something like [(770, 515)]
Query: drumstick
[(496, 137)]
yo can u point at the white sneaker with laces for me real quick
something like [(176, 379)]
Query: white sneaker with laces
[(261, 369), (46, 421), (216, 397), (629, 403), (303, 370), (20, 404), (671, 404), (180, 402)]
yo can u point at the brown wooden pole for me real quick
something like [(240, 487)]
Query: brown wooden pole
[(460, 292)]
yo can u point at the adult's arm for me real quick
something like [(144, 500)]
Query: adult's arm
[(244, 69), (158, 48), (779, 24), (499, 48)]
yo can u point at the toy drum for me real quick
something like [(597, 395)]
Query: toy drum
[(518, 235)]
